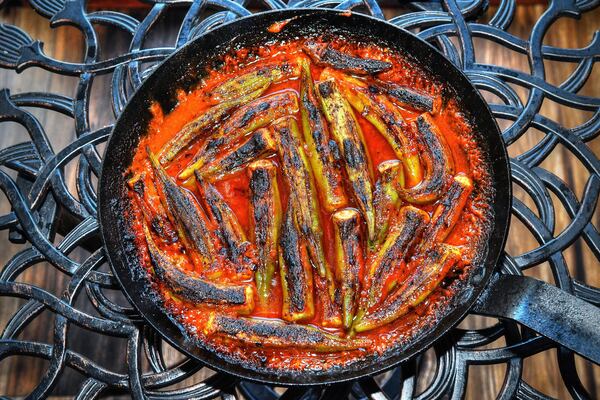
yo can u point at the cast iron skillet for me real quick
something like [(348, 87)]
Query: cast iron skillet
[(544, 308)]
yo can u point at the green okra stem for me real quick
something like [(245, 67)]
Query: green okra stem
[(349, 260), (278, 334), (431, 271), (405, 233), (185, 213), (296, 169), (322, 150), (324, 55), (438, 164), (348, 135), (247, 118), (258, 144), (265, 217), (194, 289), (295, 271)]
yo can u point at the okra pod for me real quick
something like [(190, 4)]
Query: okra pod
[(368, 100), (265, 215), (431, 271), (438, 164), (448, 211), (324, 55), (258, 144), (163, 228), (328, 297), (296, 169), (278, 334), (194, 128), (385, 197), (349, 260), (413, 99), (254, 80), (321, 149), (295, 271), (194, 289), (158, 220), (185, 213), (349, 137), (229, 230), (407, 230), (247, 118)]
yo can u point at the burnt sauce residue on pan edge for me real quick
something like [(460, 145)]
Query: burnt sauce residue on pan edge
[(309, 204)]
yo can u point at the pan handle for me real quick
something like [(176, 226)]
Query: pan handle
[(546, 309)]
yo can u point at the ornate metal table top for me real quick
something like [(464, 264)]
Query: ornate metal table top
[(43, 204)]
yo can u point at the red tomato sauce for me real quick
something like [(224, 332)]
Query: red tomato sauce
[(469, 233)]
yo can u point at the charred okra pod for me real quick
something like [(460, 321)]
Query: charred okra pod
[(279, 334), (254, 80), (265, 215), (194, 289), (157, 218), (229, 230), (438, 164), (296, 169), (329, 301), (163, 228), (415, 100), (368, 100), (349, 137), (385, 198), (321, 149), (349, 260), (447, 211), (260, 143), (295, 271), (382, 273), (431, 271), (194, 128), (247, 118), (185, 213), (324, 55)]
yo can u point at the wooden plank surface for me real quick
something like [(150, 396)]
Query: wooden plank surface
[(19, 375)]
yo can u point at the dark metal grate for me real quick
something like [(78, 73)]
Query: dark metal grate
[(42, 204)]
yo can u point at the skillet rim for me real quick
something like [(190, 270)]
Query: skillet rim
[(423, 340)]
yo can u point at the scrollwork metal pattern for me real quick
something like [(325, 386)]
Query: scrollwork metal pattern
[(40, 198)]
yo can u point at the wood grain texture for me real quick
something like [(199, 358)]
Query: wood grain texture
[(19, 376)]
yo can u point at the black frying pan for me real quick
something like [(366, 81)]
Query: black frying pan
[(544, 308)]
